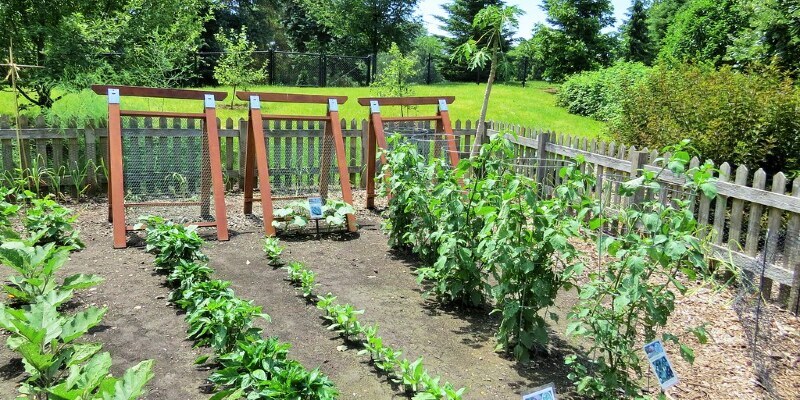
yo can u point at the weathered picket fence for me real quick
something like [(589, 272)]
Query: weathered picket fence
[(740, 216)]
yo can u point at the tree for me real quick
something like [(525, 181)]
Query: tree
[(395, 79), (235, 67), (660, 15), (771, 36), (575, 42), (635, 35), (493, 21), (368, 26), (457, 22), (702, 32)]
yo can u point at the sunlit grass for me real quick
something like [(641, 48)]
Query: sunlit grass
[(533, 106)]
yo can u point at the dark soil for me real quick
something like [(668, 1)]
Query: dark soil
[(360, 269)]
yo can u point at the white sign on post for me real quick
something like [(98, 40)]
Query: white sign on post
[(315, 207), (546, 392), (660, 364)]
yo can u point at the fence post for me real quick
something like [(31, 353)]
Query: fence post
[(321, 70), (524, 71), (242, 148), (369, 70), (429, 78), (541, 153), (272, 67), (638, 160)]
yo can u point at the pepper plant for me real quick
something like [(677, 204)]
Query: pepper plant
[(54, 221)]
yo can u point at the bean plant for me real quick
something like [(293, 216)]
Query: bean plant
[(272, 249)]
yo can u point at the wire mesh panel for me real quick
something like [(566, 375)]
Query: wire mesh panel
[(166, 165), (763, 322)]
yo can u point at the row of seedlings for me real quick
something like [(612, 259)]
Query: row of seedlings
[(59, 363), (343, 319), (246, 365), (487, 234)]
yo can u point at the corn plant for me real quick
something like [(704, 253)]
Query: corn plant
[(46, 215), (273, 250), (78, 175), (36, 267)]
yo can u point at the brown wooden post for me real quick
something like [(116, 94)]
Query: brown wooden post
[(212, 137), (443, 124), (376, 139), (256, 157), (335, 130), (541, 154), (638, 161), (116, 207)]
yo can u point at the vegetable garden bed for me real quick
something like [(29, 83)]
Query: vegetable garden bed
[(457, 344)]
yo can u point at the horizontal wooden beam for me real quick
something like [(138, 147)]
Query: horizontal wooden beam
[(295, 118), (291, 97), (141, 91), (412, 119), (162, 114), (752, 264), (405, 101)]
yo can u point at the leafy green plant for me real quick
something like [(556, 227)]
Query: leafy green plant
[(411, 374), (94, 381), (220, 322), (185, 276), (192, 295), (172, 243), (634, 295), (46, 215), (344, 320), (301, 276), (335, 212), (8, 210), (37, 267), (273, 249)]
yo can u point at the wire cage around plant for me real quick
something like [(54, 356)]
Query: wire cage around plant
[(161, 167), (302, 165)]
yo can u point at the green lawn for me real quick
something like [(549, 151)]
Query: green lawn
[(533, 106)]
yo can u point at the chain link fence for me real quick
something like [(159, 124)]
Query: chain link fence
[(286, 68)]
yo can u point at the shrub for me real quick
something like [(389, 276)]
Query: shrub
[(742, 118), (599, 94)]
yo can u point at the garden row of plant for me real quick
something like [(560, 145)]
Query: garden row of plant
[(489, 235), (343, 319), (246, 365), (59, 363)]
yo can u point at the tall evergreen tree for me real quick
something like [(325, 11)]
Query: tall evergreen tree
[(575, 42), (457, 22), (660, 16), (635, 34)]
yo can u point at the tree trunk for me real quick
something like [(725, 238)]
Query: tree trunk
[(480, 134)]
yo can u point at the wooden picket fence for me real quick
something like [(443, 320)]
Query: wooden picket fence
[(739, 217)]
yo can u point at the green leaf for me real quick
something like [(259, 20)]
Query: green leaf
[(80, 281), (687, 353), (131, 386), (80, 323)]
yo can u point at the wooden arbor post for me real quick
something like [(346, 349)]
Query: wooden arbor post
[(256, 150), (211, 168), (376, 137)]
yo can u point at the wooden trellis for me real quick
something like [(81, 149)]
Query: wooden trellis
[(210, 166), (377, 137), (256, 153)]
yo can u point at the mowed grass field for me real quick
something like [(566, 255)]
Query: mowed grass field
[(533, 106)]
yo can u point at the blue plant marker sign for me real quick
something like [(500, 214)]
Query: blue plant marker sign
[(660, 364), (546, 392), (315, 207)]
